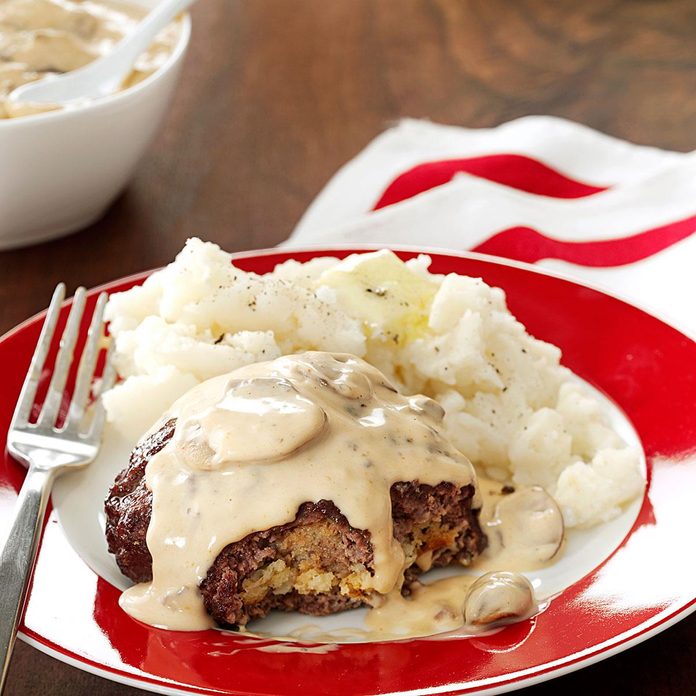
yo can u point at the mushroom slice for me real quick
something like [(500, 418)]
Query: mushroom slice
[(528, 525), (499, 597)]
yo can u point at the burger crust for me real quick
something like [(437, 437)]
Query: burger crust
[(317, 564)]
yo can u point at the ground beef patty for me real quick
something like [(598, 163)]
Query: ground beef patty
[(317, 564)]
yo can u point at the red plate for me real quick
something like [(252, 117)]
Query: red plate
[(643, 364)]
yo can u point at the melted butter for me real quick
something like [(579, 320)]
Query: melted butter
[(382, 291), (47, 37), (250, 447)]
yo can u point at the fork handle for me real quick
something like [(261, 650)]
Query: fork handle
[(17, 559)]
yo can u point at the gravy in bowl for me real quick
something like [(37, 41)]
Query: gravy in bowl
[(39, 38)]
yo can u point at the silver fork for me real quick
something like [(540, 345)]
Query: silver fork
[(46, 450)]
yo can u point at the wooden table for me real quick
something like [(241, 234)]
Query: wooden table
[(277, 94)]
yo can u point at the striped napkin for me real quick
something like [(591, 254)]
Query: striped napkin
[(542, 190)]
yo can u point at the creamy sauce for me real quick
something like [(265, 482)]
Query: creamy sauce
[(525, 532), (465, 604), (524, 527), (250, 447), (434, 608), (328, 426), (39, 38)]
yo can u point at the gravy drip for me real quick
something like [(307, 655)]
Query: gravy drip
[(465, 604), (525, 532), (250, 447)]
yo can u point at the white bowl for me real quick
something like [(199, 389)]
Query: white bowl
[(60, 170)]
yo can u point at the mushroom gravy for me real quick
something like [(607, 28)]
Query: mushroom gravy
[(327, 426), (40, 38)]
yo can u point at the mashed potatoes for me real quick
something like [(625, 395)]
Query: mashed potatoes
[(510, 406)]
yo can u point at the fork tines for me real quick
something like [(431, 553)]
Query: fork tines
[(48, 417)]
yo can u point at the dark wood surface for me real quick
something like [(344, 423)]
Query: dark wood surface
[(277, 94)]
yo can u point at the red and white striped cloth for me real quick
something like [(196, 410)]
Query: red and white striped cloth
[(539, 189)]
